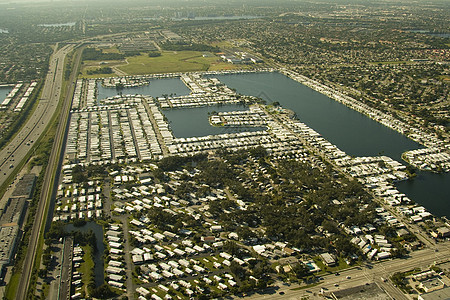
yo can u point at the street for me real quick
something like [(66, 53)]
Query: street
[(366, 274)]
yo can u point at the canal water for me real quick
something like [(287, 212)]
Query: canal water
[(349, 130), (98, 256), (4, 91), (189, 122), (156, 88)]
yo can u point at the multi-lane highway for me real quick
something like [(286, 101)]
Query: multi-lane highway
[(23, 141), (51, 96), (365, 274)]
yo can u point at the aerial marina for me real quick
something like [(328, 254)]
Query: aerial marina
[(128, 128), (208, 150)]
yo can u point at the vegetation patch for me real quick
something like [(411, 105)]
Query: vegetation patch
[(98, 54), (102, 70), (306, 286), (189, 47), (173, 61)]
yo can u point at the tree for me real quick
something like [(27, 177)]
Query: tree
[(231, 247), (78, 175), (344, 246), (300, 270), (154, 54), (42, 273), (237, 270), (258, 152), (103, 292)]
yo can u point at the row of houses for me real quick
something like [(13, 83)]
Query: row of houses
[(429, 140), (393, 198), (430, 159), (119, 132), (115, 266), (75, 278), (241, 58), (10, 96), (25, 97), (197, 100), (187, 288), (132, 81), (76, 202), (373, 246), (253, 117), (200, 85), (276, 140)]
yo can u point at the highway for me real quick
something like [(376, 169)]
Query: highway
[(365, 274), (18, 148), (51, 94)]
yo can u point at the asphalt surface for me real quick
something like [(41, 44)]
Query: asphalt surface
[(66, 270), (362, 275), (51, 95), (22, 143)]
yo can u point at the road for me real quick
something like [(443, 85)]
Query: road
[(159, 137), (66, 270), (52, 90), (366, 274), (24, 140), (129, 264)]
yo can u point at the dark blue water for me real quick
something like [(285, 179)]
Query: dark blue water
[(98, 256), (430, 190), (156, 88), (349, 130), (189, 122)]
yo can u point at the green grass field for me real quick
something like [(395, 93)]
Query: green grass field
[(395, 62), (94, 65), (12, 286), (168, 62), (87, 266), (174, 61)]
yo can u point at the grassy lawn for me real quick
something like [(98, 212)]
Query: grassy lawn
[(222, 44), (86, 268), (168, 62), (11, 288), (173, 61), (341, 266), (86, 76), (306, 286), (94, 65), (111, 50), (399, 62)]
